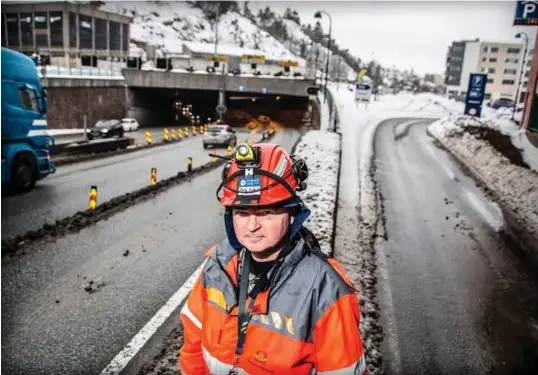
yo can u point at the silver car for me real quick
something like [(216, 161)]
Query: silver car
[(219, 135)]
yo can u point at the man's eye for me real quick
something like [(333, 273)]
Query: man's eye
[(267, 213)]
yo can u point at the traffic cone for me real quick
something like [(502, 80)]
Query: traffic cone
[(93, 198)]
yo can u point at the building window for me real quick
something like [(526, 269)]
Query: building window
[(483, 70), (510, 71), (85, 31), (491, 70), (529, 63), (72, 30), (527, 74), (100, 34), (514, 51), (494, 49), (492, 59), (56, 29), (491, 80), (525, 84), (125, 37), (484, 59), (114, 36), (509, 60), (485, 49), (508, 82), (12, 29), (41, 29), (27, 29)]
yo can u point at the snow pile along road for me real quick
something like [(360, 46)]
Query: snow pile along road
[(503, 170), (321, 151)]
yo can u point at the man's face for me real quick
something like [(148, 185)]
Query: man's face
[(260, 229)]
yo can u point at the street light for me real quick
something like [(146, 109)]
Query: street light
[(318, 15), (519, 35)]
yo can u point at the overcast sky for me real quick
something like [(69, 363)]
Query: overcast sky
[(410, 33)]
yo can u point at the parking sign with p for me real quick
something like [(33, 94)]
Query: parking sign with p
[(526, 13)]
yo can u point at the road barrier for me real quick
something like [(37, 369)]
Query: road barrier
[(153, 180), (189, 164), (148, 137), (180, 133), (213, 156), (165, 135), (186, 132), (93, 198), (173, 134), (229, 151), (193, 130)]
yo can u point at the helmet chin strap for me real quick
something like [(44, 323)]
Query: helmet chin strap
[(294, 227)]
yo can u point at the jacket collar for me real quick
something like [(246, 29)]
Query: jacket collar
[(304, 243)]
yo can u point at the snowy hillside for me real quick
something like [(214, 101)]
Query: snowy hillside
[(169, 24)]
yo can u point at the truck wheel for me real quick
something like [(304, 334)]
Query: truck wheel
[(24, 173)]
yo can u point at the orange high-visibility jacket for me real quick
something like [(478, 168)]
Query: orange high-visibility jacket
[(306, 322)]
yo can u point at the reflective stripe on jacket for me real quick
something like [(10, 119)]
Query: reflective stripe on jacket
[(307, 322)]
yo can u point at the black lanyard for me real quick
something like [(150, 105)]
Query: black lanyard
[(243, 315)]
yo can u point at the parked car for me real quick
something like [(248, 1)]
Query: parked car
[(129, 124), (219, 135), (501, 102), (106, 129)]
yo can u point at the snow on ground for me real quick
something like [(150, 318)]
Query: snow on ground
[(169, 24), (321, 151)]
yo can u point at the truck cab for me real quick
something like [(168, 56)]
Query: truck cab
[(26, 143)]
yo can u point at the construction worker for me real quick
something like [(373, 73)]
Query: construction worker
[(268, 300)]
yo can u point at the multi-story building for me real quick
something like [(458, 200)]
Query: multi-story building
[(502, 62), (68, 34)]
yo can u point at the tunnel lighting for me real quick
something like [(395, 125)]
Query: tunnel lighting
[(253, 99), (278, 98)]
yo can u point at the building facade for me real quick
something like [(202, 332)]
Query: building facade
[(68, 34), (502, 62)]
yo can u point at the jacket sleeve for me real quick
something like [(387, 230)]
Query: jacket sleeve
[(337, 340), (191, 359)]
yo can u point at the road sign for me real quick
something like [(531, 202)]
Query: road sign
[(363, 92), (221, 109), (288, 63), (475, 94), (217, 58), (526, 13), (258, 59)]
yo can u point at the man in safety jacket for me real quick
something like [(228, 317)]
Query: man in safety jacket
[(268, 301)]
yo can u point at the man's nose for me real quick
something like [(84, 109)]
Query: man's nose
[(253, 223)]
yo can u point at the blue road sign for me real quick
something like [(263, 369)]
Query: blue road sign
[(475, 94), (241, 88), (526, 13)]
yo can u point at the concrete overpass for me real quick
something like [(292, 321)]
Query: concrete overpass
[(215, 82)]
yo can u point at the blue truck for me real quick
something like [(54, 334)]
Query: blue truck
[(26, 143)]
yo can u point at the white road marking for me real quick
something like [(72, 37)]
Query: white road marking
[(139, 340)]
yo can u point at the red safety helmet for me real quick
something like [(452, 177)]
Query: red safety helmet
[(262, 175)]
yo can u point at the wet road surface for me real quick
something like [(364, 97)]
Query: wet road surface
[(454, 298), (67, 191), (51, 325)]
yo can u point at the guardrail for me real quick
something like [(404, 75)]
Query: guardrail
[(334, 117), (87, 71)]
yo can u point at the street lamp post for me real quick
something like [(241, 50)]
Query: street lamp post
[(318, 15), (519, 35)]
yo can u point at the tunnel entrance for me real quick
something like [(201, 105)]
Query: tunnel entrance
[(175, 107)]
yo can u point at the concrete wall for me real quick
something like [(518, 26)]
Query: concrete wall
[(173, 80), (69, 105)]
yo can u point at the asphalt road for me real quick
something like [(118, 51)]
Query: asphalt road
[(67, 191), (51, 325), (454, 297)]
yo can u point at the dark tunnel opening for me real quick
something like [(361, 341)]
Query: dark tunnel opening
[(171, 107)]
